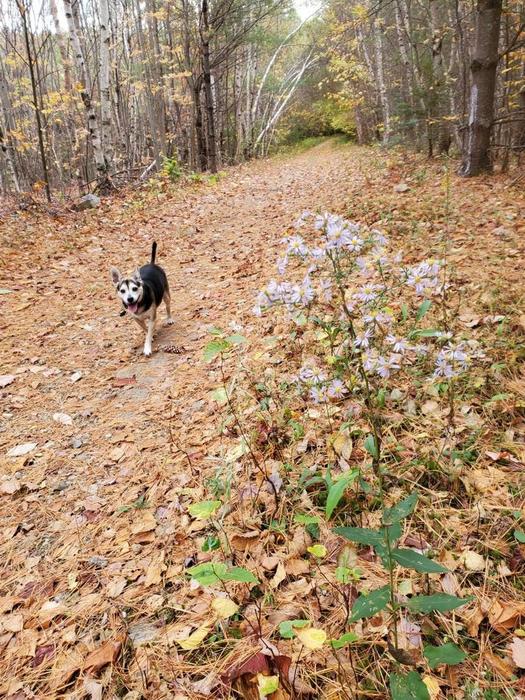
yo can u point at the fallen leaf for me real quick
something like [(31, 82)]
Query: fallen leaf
[(267, 684), (21, 450), (9, 486), (92, 688), (224, 607), (517, 650), (145, 523), (124, 381), (473, 561), (279, 576), (194, 640), (63, 418), (500, 665), (311, 637), (505, 616), (12, 623), (115, 587), (104, 655), (432, 687)]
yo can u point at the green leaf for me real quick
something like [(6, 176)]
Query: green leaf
[(371, 446), (439, 602), (498, 397), (520, 536), (267, 684), (425, 306), (215, 348), (344, 640), (208, 573), (362, 535), (304, 519), (404, 312), (238, 573), (446, 654), (401, 510), (425, 333), (236, 339), (318, 550), (369, 605), (335, 492), (287, 626), (409, 687), (413, 560), (220, 396), (204, 509)]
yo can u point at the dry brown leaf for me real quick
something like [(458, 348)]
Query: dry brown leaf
[(505, 616), (473, 561), (517, 650), (154, 572), (92, 688), (501, 666), (9, 486), (297, 567), (115, 587), (12, 623), (245, 541), (145, 523), (279, 576), (104, 655)]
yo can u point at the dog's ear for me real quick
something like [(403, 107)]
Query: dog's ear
[(115, 275), (136, 276)]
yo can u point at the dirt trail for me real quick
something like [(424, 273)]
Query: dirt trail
[(129, 415), (110, 447)]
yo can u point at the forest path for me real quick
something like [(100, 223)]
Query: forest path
[(111, 447), (218, 244), (107, 425)]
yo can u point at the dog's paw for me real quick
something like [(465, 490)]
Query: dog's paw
[(170, 321), (147, 351)]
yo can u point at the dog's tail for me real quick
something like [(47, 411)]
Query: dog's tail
[(153, 252)]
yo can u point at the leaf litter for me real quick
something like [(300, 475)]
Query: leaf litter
[(154, 439)]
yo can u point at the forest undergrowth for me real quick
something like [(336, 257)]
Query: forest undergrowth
[(314, 488)]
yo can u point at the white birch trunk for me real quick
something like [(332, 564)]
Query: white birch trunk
[(279, 108), (83, 76), (104, 83), (383, 94)]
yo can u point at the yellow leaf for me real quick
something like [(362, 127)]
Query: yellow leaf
[(195, 639), (224, 607), (432, 687), (312, 638)]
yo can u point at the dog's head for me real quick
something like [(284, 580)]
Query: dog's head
[(129, 289)]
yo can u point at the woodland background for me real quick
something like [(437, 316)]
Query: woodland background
[(94, 92)]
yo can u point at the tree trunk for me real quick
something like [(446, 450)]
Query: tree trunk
[(383, 93), (85, 94), (38, 115), (208, 91), (439, 129), (66, 64), (476, 158), (104, 82), (11, 179)]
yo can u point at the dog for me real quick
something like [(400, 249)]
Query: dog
[(142, 294)]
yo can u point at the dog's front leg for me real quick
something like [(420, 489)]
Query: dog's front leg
[(149, 336)]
